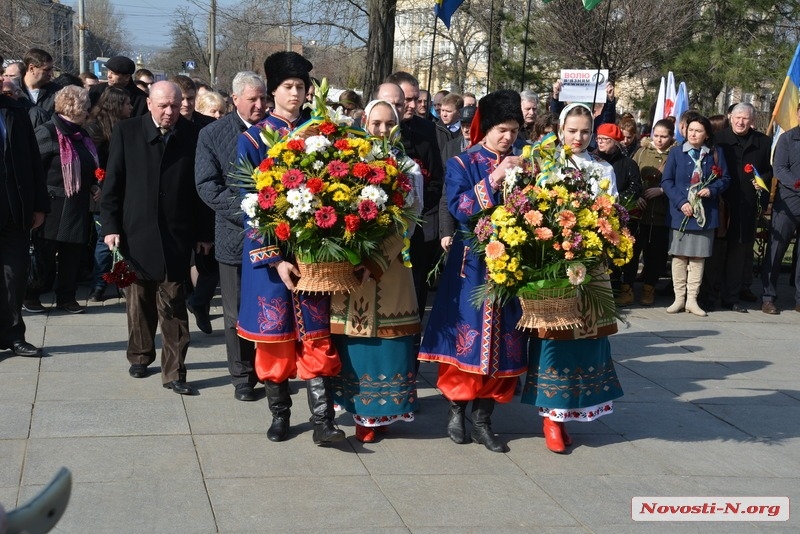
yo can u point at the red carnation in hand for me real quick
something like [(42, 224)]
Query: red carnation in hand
[(315, 185), (292, 178), (361, 170), (325, 217), (352, 223), (748, 168), (266, 197), (100, 175), (342, 144), (368, 210), (283, 231), (265, 165), (797, 184), (296, 145), (716, 170), (327, 128), (338, 169)]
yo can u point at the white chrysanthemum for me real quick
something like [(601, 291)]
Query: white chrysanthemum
[(317, 165), (294, 213), (249, 204), (298, 196), (375, 194), (317, 143)]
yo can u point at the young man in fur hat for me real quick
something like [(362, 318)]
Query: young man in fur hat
[(297, 339)]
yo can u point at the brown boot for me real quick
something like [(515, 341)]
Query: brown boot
[(625, 296), (648, 297)]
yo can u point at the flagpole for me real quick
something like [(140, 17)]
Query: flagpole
[(600, 59), (525, 47), (430, 66), (489, 50)]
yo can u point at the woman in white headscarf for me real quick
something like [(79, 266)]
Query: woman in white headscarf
[(373, 326), (571, 376)]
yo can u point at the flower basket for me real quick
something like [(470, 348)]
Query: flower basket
[(326, 277), (554, 308)]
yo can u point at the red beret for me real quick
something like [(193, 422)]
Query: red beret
[(610, 130)]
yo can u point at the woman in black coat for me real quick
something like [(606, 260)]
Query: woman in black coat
[(70, 159)]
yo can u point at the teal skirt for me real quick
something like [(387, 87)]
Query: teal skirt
[(378, 377), (571, 375)]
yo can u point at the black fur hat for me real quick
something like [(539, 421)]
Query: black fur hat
[(283, 65), (499, 107)]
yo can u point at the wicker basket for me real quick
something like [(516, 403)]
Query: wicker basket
[(326, 277), (554, 308)]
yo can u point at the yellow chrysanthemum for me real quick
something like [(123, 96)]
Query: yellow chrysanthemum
[(341, 196), (543, 206), (498, 278), (513, 235), (289, 157), (384, 219), (275, 150), (263, 179), (587, 218), (591, 241)]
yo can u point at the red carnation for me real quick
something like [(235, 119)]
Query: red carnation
[(315, 185), (352, 223), (122, 274), (338, 169), (283, 231), (748, 168), (716, 170), (376, 176), (100, 175), (325, 217), (368, 210), (425, 174), (265, 165), (403, 183), (292, 178), (327, 128), (398, 199), (361, 170), (296, 145), (342, 144), (266, 197), (797, 184), (391, 162)]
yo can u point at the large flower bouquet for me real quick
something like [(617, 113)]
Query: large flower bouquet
[(328, 192), (557, 225)]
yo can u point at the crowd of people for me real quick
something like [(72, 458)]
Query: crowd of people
[(144, 170)]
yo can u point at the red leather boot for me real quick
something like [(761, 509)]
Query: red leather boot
[(552, 436)]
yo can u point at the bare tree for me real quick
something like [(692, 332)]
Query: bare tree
[(41, 24), (106, 35)]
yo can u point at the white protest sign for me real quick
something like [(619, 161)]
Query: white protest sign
[(579, 85)]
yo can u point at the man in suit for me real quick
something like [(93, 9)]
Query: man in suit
[(23, 204), (151, 211), (215, 159)]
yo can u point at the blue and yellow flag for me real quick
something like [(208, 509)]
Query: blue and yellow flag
[(444, 9), (785, 114)]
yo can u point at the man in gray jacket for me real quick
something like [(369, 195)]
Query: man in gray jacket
[(215, 160)]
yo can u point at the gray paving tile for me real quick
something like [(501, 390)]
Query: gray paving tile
[(112, 459), (57, 419), (760, 420), (11, 363), (97, 385), (19, 387), (226, 415), (8, 497), (221, 457), (160, 504), (506, 502), (15, 420), (288, 504), (12, 456)]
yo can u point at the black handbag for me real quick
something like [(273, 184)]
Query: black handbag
[(37, 271)]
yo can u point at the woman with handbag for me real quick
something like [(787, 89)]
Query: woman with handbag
[(70, 160)]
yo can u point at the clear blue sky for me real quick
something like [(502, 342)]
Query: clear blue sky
[(148, 21)]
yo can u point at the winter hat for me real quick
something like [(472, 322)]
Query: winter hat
[(121, 65), (610, 130), (499, 107), (281, 66)]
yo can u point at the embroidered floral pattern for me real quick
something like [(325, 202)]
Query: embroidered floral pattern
[(272, 316), (466, 205), (465, 338), (581, 414)]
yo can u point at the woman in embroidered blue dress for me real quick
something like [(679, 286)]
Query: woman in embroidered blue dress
[(694, 178), (571, 375), (291, 331), (479, 350), (373, 327)]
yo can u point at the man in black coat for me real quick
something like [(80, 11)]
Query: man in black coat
[(151, 211), (733, 252), (120, 72), (23, 204), (216, 157)]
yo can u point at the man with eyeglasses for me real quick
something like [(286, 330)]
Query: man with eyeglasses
[(36, 81)]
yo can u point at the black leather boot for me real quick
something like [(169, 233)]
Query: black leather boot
[(455, 424), (482, 425), (279, 404), (320, 402)]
